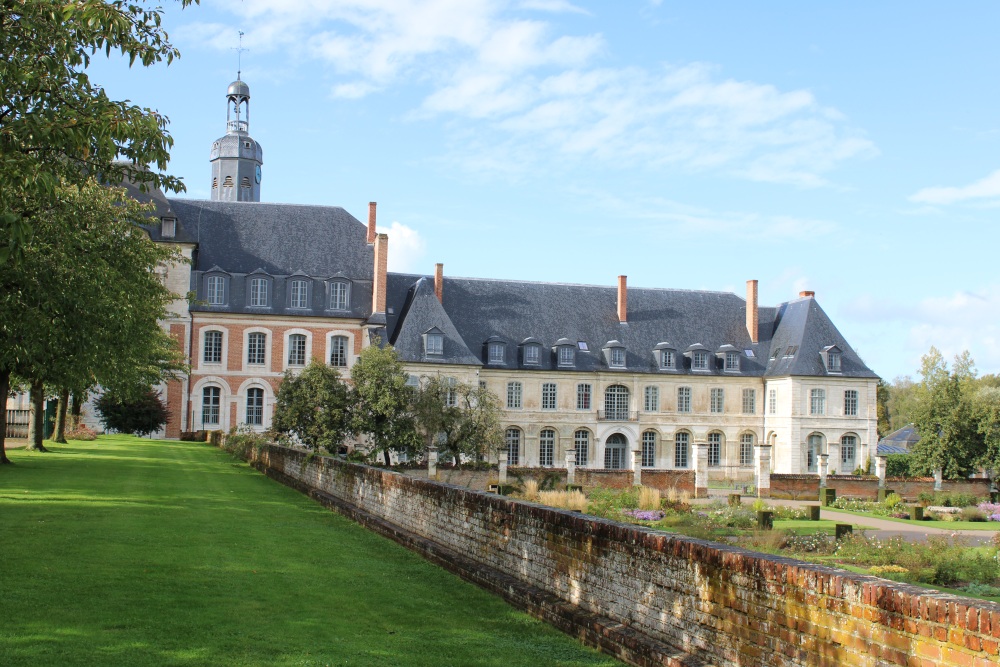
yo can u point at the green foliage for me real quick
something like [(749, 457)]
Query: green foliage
[(139, 416), (897, 465), (314, 407), (461, 419), (948, 499), (892, 501), (242, 441), (382, 402)]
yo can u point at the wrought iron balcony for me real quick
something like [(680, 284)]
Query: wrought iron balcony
[(617, 416)]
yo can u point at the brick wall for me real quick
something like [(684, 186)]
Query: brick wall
[(795, 487), (653, 598), (806, 487)]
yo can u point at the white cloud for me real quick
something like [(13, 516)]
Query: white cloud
[(984, 188), (554, 6), (406, 249)]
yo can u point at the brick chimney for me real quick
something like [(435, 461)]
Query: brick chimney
[(381, 266), (622, 299), (439, 282), (752, 311), (371, 222), (807, 293)]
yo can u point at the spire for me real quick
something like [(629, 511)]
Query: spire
[(238, 96)]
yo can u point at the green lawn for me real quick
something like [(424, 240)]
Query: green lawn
[(136, 552), (946, 525)]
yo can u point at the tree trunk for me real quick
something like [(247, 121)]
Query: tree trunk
[(75, 410), (60, 432), (385, 453), (36, 427), (4, 390)]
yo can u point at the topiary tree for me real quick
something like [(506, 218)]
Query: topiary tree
[(138, 416)]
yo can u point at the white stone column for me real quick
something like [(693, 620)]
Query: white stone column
[(762, 466), (432, 462), (938, 477), (824, 463), (570, 466), (502, 465), (701, 470), (880, 466), (636, 466)]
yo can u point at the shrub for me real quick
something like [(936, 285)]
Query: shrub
[(897, 465), (972, 514), (649, 499), (81, 432), (884, 570), (531, 491), (892, 501), (137, 416), (816, 543), (991, 510), (645, 515), (573, 500), (983, 590), (242, 440), (726, 516)]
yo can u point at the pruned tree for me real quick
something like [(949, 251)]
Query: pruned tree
[(314, 407), (137, 416), (462, 420), (382, 402)]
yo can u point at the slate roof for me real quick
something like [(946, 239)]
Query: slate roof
[(900, 441), (802, 324)]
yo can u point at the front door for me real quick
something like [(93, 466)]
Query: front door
[(614, 451)]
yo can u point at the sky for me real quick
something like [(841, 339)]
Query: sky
[(852, 149)]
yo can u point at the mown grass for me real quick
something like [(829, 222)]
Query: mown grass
[(992, 526), (125, 551)]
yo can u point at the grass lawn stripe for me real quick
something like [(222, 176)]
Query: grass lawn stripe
[(136, 552), (943, 525)]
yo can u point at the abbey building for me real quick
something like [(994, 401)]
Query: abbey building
[(611, 372)]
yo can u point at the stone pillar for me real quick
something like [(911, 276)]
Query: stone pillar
[(636, 466), (701, 470), (502, 478), (762, 467), (570, 466), (938, 477), (824, 466), (432, 462), (880, 462)]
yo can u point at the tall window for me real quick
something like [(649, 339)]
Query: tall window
[(546, 447), (683, 399), (549, 396), (216, 290), (497, 352), (699, 360), (618, 357), (682, 442), (714, 449), (258, 292), (567, 355), (297, 350), (257, 348), (817, 402), (732, 361), (651, 399), (451, 395), (648, 449), (338, 351), (532, 354), (581, 441), (749, 401), (850, 403), (513, 395), (717, 403), (300, 294), (255, 406), (213, 347), (772, 401), (338, 295), (614, 451), (513, 440), (434, 343), (616, 403), (746, 449), (583, 396), (211, 401), (667, 361), (848, 453)]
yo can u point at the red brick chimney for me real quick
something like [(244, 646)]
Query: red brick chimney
[(622, 299), (807, 293), (752, 311), (439, 282), (381, 266), (371, 222)]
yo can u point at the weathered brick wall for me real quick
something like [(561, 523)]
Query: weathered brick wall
[(795, 487), (806, 487), (650, 597), (588, 478)]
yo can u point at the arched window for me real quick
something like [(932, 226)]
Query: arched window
[(513, 440), (211, 403), (581, 441), (714, 449), (338, 351), (546, 447), (255, 406), (746, 449), (682, 446), (614, 451), (616, 403), (649, 449), (228, 183)]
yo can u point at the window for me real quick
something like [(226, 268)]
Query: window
[(434, 344), (299, 294), (616, 403), (651, 399), (614, 451), (667, 360), (338, 351), (683, 399), (513, 395), (581, 440), (817, 402), (258, 292), (339, 295), (732, 361), (255, 406), (297, 350), (850, 403), (213, 347), (681, 446), (749, 401), (546, 447), (451, 395), (532, 354), (699, 360), (746, 449), (549, 396), (833, 362), (513, 440), (717, 402), (714, 449), (257, 348), (848, 453), (617, 357), (168, 227), (648, 449), (567, 356), (583, 397), (211, 401), (772, 401), (497, 352), (216, 290)]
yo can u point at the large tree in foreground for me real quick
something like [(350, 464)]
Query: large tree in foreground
[(381, 402), (56, 126), (313, 406)]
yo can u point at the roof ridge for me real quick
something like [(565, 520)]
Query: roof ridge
[(567, 284)]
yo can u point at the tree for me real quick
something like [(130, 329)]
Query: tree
[(986, 408), (314, 407), (138, 416), (55, 125), (460, 419), (381, 402)]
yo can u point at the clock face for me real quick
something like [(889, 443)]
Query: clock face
[(257, 175)]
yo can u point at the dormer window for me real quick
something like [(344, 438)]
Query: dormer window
[(732, 362), (614, 354), (434, 342), (565, 353), (699, 360), (168, 227), (259, 292), (299, 294), (215, 290), (497, 352), (340, 295), (532, 354), (666, 356), (831, 358)]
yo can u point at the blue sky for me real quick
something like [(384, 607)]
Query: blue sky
[(852, 149)]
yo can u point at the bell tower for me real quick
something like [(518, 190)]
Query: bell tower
[(236, 158)]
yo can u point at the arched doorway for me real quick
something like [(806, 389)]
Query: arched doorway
[(814, 447), (615, 448)]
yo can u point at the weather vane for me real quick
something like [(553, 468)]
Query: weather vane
[(239, 56)]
